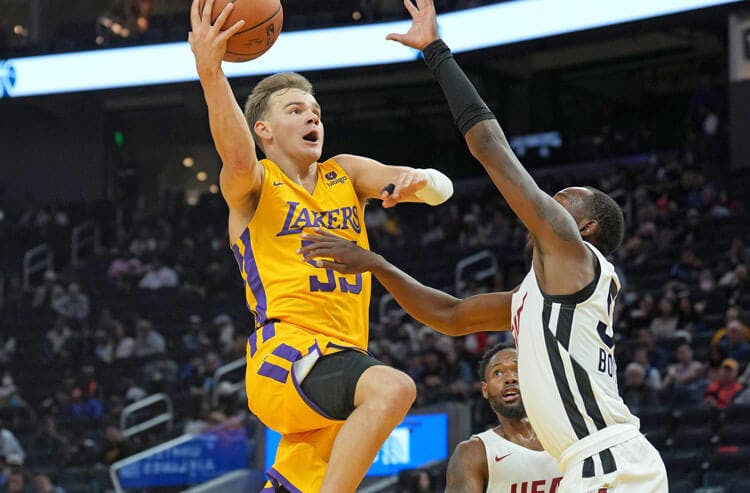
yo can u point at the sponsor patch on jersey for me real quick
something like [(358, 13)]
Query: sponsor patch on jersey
[(332, 178)]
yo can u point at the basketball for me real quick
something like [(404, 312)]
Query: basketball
[(263, 20)]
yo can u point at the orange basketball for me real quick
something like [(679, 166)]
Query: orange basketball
[(263, 20)]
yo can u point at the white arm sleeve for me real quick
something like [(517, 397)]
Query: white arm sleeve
[(439, 188)]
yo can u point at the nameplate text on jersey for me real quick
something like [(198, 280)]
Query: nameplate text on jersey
[(299, 218)]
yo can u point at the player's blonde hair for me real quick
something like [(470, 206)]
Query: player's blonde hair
[(257, 102)]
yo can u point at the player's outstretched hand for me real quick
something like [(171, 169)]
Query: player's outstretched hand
[(329, 251), (405, 187), (207, 40), (423, 30)]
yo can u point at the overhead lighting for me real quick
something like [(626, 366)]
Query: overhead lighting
[(214, 188), (202, 176), (188, 162), (192, 197)]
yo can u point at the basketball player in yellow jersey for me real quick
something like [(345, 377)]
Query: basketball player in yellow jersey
[(308, 375)]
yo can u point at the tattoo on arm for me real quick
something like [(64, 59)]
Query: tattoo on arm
[(558, 219)]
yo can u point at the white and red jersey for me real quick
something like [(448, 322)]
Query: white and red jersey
[(516, 469), (566, 365)]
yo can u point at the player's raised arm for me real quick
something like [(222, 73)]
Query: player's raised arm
[(240, 173), (371, 178), (554, 229), (443, 312), (467, 468)]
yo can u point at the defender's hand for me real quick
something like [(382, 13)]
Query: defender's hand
[(337, 253), (208, 41), (423, 30), (405, 187)]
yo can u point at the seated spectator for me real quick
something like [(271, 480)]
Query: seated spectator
[(433, 386), (133, 391), (73, 304), (83, 346), (689, 317), (124, 343), (419, 481), (12, 404), (685, 383), (160, 374), (104, 320), (211, 362), (7, 349), (82, 409), (60, 337), (732, 313), (8, 390), (653, 376), (688, 267), (103, 347), (158, 276), (733, 278), (734, 345), (10, 447), (706, 281), (460, 373), (45, 293), (197, 375), (222, 331), (144, 243), (722, 391), (41, 483), (124, 270), (147, 340), (16, 482), (115, 446), (664, 325), (635, 393), (84, 450), (50, 447), (194, 339), (429, 339), (738, 253), (656, 355), (237, 349)]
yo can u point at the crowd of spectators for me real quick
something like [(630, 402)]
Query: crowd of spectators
[(161, 308), (138, 22)]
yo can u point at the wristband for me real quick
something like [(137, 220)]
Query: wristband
[(439, 188), (466, 106)]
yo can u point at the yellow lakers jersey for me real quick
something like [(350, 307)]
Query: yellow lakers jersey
[(278, 283)]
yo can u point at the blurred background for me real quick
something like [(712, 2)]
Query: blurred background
[(123, 325)]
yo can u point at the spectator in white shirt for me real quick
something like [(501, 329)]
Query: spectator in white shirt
[(124, 343), (9, 445), (159, 276), (147, 340), (72, 304), (58, 337)]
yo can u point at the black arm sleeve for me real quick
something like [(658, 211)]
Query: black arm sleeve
[(465, 104)]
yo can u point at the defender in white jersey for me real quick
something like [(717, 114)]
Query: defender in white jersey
[(561, 313), (507, 458)]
